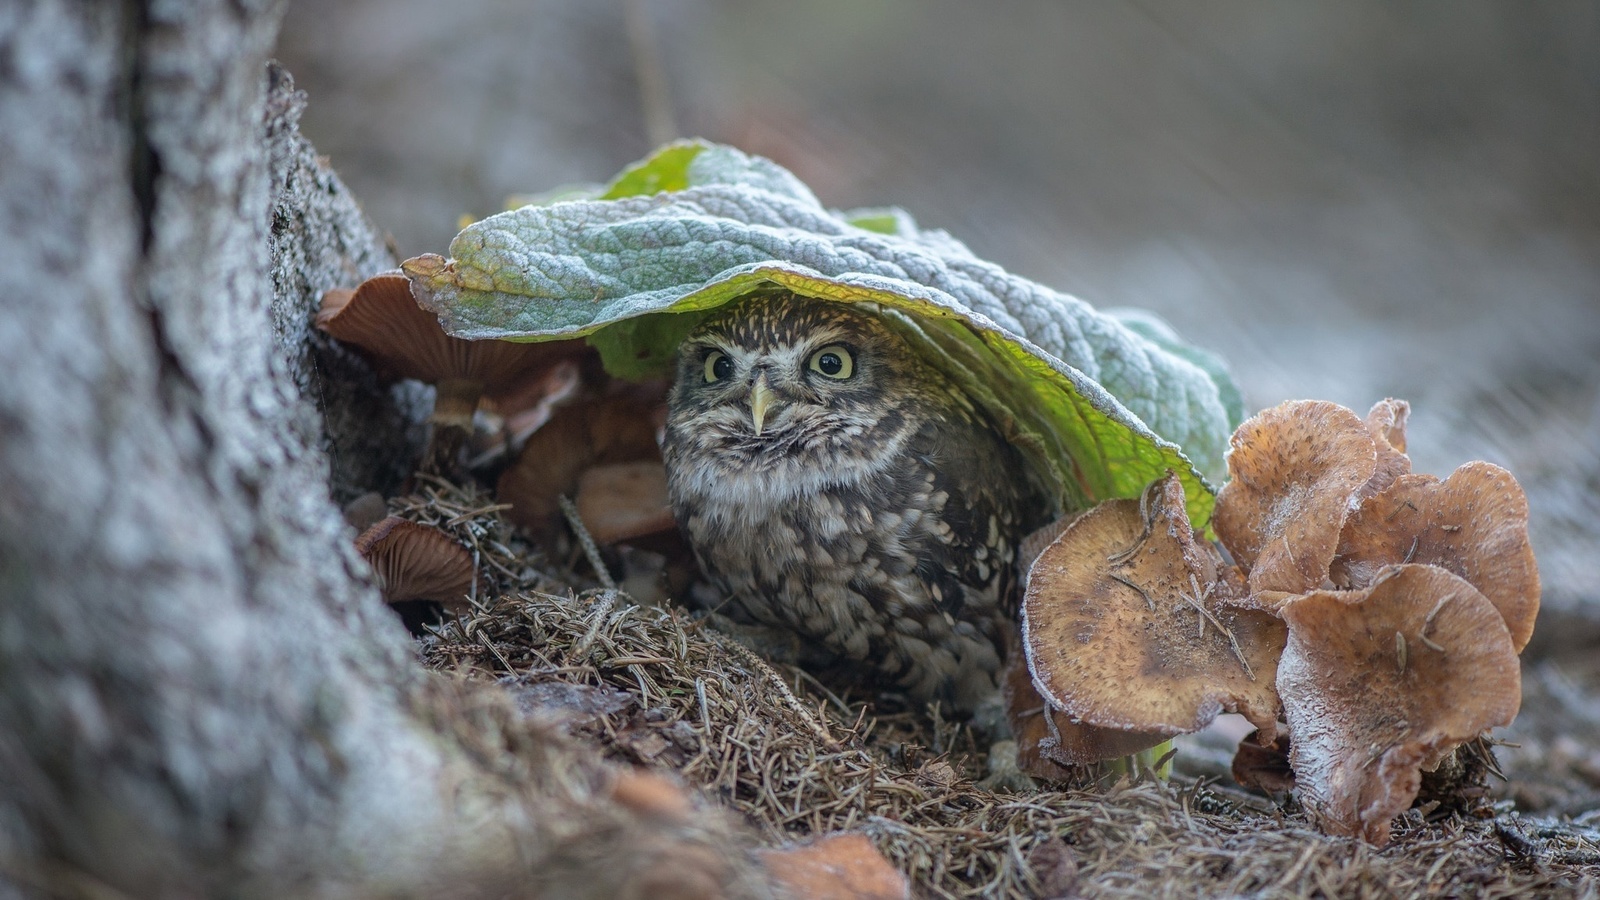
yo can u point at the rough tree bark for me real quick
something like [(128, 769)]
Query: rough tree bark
[(199, 695)]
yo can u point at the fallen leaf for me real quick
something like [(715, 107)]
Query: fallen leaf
[(652, 796), (837, 867)]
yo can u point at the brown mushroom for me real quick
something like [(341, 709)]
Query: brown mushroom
[(1294, 468), (1382, 683), (1049, 743), (625, 501), (1474, 523), (1387, 424), (619, 427), (1124, 628), (365, 511), (1033, 544), (403, 340), (417, 562), (1265, 769)]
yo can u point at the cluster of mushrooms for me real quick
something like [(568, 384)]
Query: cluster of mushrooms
[(559, 428), (1373, 613)]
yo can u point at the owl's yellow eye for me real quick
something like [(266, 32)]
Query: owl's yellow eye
[(718, 366), (833, 361)]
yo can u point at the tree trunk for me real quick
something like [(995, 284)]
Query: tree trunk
[(200, 694)]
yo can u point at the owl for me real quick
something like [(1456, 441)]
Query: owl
[(836, 486)]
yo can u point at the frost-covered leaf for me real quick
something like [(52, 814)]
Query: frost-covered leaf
[(1100, 407)]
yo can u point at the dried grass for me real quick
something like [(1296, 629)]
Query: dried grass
[(796, 759)]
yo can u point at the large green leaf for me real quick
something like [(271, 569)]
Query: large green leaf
[(1101, 407)]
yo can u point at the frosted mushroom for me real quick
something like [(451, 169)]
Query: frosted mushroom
[(403, 340), (1033, 544), (1474, 523), (417, 562), (1294, 469), (1049, 742), (1387, 424), (1382, 683), (1124, 626)]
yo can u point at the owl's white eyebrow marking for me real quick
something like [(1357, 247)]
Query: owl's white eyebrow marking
[(830, 335)]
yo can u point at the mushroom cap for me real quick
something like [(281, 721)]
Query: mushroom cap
[(1474, 523), (1124, 626), (406, 341), (365, 511), (1381, 683), (1387, 423), (1049, 742), (1029, 548), (614, 428), (623, 501), (417, 562), (1294, 469)]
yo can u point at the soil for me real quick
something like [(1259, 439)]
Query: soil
[(796, 757)]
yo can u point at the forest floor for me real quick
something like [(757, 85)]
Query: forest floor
[(793, 757)]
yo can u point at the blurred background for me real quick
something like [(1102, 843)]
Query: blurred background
[(1347, 201)]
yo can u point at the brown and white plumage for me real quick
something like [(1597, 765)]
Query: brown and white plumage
[(833, 484)]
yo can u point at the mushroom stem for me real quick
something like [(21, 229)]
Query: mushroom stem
[(455, 400)]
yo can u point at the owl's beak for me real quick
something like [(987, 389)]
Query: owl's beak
[(760, 400)]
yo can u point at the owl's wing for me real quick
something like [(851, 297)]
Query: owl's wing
[(990, 503)]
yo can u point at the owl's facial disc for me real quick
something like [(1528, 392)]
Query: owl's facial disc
[(778, 381)]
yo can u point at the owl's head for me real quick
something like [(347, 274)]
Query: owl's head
[(775, 377)]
